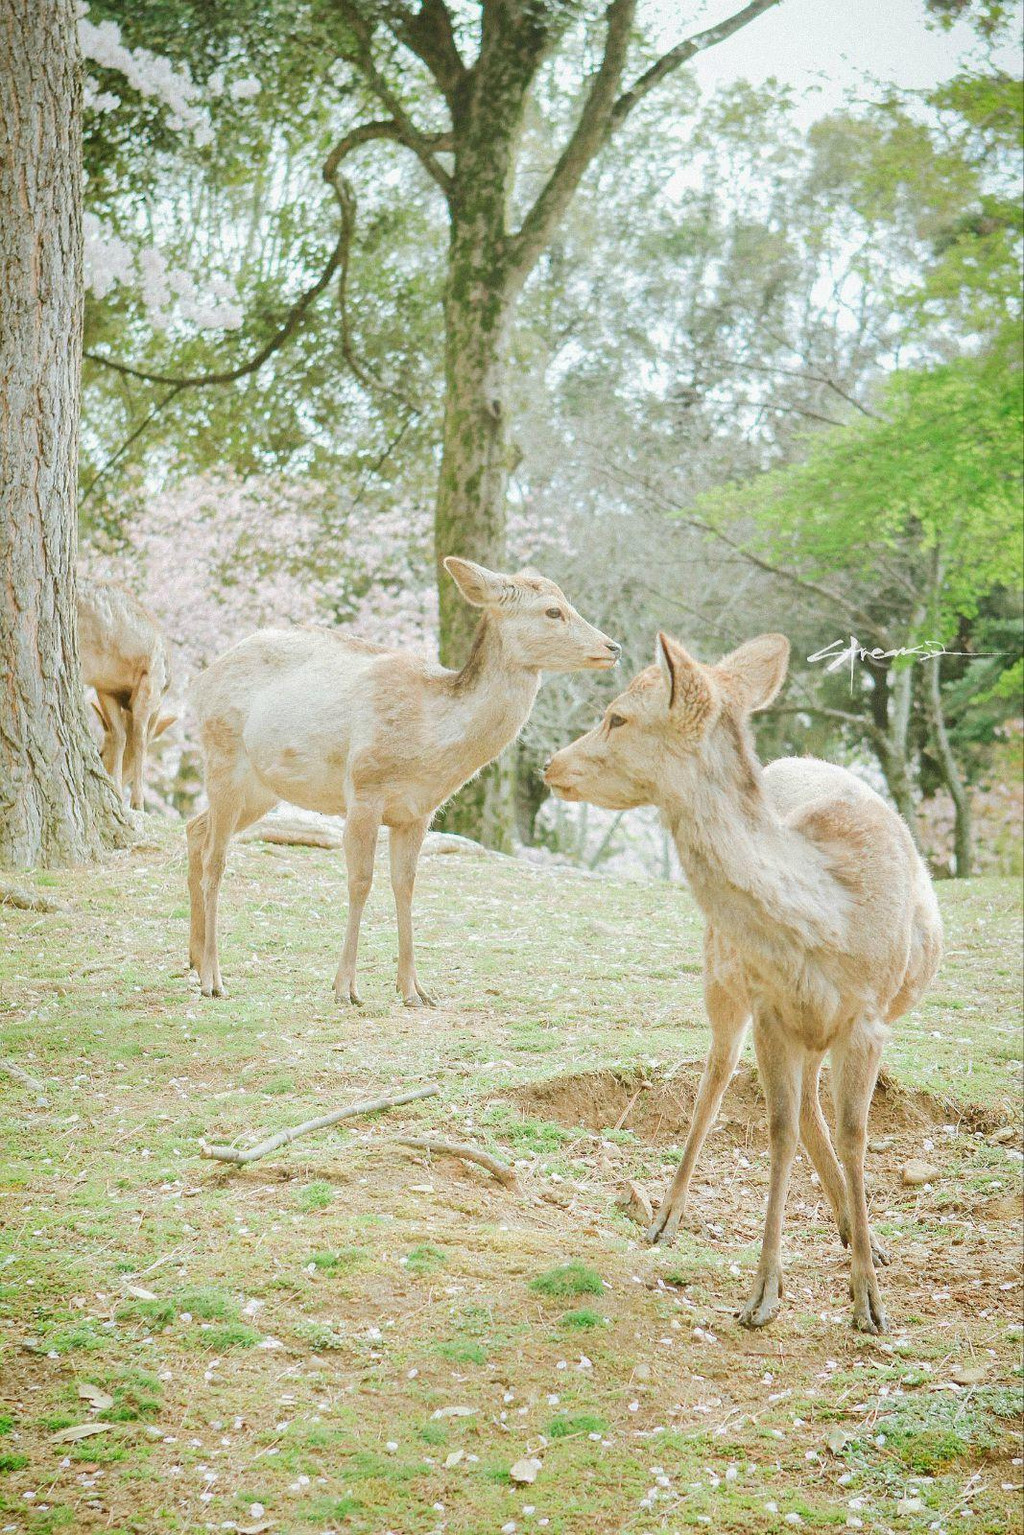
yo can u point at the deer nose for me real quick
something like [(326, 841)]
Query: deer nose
[(614, 647), (547, 766)]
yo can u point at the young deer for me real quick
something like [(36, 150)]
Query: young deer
[(124, 657), (330, 723), (821, 922)]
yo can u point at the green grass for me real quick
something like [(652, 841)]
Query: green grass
[(568, 1279), (349, 1333)]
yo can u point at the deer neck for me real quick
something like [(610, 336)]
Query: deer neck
[(757, 880), (487, 703)]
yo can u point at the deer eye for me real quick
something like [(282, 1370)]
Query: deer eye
[(615, 720), (555, 613)]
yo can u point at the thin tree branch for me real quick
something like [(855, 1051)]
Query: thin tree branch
[(829, 594), (591, 130), (811, 378), (860, 722), (429, 34), (681, 53), (500, 1170), (133, 436), (285, 332), (363, 134), (856, 613), (423, 145), (364, 1106)]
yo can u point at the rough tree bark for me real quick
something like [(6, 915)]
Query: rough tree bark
[(57, 805), (488, 265)]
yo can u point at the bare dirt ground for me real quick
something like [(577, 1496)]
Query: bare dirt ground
[(354, 1336)]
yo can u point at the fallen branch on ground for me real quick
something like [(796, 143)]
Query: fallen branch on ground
[(364, 1106), (21, 1075), (501, 1170)]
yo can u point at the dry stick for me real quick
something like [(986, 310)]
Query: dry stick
[(364, 1106), (501, 1170)]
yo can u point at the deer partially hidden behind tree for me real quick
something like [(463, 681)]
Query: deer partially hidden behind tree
[(330, 723), (124, 657), (821, 922)]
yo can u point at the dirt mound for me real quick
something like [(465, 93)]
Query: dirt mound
[(658, 1106)]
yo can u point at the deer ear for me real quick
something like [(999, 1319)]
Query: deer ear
[(478, 585), (678, 667), (163, 723), (756, 671)]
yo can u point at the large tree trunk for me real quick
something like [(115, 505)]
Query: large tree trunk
[(480, 293), (56, 803)]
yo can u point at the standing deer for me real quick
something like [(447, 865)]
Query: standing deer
[(124, 657), (821, 922), (331, 723)]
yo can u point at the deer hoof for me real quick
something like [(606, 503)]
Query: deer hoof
[(764, 1301), (879, 1254), (868, 1312), (348, 994), (664, 1226)]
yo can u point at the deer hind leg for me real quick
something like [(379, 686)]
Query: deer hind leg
[(361, 827), (818, 1142), (855, 1065), (728, 1012), (780, 1060), (405, 844), (140, 711)]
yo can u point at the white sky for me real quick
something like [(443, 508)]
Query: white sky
[(825, 47)]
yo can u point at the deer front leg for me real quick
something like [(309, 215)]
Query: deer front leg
[(221, 823), (406, 842), (139, 715), (114, 738), (361, 827), (195, 839), (780, 1063), (728, 1013)]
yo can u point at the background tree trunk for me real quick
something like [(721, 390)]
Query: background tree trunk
[(963, 832), (57, 805), (480, 292)]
